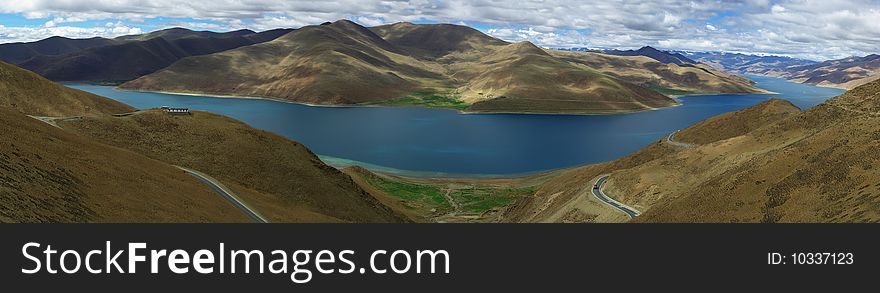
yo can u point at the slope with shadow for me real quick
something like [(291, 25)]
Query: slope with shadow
[(335, 63), (128, 59), (844, 73), (524, 78), (16, 53), (32, 94), (651, 52), (282, 179)]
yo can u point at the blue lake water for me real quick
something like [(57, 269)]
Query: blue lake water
[(438, 142)]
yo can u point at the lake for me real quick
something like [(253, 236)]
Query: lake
[(437, 142)]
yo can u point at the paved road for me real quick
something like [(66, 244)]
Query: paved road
[(597, 192), (217, 187), (671, 140)]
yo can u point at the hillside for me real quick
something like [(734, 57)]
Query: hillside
[(666, 77), (50, 175), (846, 73), (283, 179), (768, 163), (128, 58), (459, 66), (32, 94)]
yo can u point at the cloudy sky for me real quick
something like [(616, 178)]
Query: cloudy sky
[(812, 29)]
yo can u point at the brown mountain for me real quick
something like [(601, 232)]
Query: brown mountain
[(344, 63), (769, 163)]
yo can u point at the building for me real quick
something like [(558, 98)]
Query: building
[(176, 111)]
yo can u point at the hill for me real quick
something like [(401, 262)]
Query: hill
[(131, 57), (32, 94), (845, 73), (768, 163), (284, 180), (50, 175)]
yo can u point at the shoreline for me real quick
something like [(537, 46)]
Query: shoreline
[(219, 96)]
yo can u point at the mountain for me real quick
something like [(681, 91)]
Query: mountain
[(845, 73), (32, 94), (97, 167), (127, 58), (748, 64), (650, 52), (15, 53), (401, 61), (665, 77), (769, 163)]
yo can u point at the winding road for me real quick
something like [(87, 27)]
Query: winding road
[(597, 192), (219, 188), (671, 140)]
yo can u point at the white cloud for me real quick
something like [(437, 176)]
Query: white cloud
[(801, 28)]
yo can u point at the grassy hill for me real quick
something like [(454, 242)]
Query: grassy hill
[(285, 180), (769, 163), (51, 175), (32, 94)]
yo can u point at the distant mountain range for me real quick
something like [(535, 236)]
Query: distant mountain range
[(123, 58), (844, 73)]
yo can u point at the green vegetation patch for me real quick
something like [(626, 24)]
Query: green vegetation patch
[(428, 98), (413, 192), (479, 199), (472, 198)]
